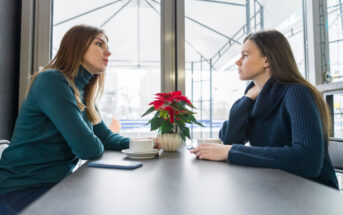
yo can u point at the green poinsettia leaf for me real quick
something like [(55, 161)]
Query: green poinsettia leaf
[(166, 127), (191, 118), (183, 117), (148, 122), (151, 109), (198, 123), (163, 114), (183, 137), (156, 122), (190, 105), (180, 105), (180, 124), (183, 130), (187, 133)]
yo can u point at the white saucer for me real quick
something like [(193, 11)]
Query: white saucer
[(140, 155)]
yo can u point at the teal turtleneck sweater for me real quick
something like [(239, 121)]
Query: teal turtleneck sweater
[(51, 134)]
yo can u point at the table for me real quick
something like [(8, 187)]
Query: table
[(177, 183)]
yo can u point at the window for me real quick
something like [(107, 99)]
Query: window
[(332, 37), (214, 33), (335, 32), (133, 74)]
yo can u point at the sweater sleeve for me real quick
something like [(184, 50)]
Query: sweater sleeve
[(235, 130), (111, 141), (304, 156), (57, 101)]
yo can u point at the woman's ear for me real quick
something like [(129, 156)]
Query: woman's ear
[(266, 63)]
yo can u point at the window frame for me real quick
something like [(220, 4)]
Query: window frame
[(37, 26), (36, 42)]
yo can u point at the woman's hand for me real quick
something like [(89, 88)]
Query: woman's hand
[(157, 143), (253, 93), (211, 151)]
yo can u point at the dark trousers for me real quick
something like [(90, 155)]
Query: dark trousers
[(13, 202)]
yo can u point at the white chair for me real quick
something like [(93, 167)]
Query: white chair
[(3, 145), (336, 156)]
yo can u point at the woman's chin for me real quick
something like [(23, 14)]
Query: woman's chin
[(242, 78), (98, 71)]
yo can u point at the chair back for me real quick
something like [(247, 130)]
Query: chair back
[(3, 145), (336, 154)]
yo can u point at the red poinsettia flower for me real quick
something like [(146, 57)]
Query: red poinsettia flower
[(177, 113), (183, 98), (171, 113), (157, 104), (172, 97)]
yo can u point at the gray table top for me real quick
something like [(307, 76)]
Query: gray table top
[(178, 183)]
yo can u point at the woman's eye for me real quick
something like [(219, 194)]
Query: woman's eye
[(244, 56), (98, 44)]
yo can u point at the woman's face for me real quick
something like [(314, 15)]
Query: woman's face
[(96, 57), (252, 64)]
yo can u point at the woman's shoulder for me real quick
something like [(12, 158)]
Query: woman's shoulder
[(50, 74), (50, 81), (50, 78), (298, 93), (297, 90)]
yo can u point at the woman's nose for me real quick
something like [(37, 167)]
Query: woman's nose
[(238, 62), (107, 53)]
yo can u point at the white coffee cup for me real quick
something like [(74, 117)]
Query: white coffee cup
[(141, 145), (209, 140)]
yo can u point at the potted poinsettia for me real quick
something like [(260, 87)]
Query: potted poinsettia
[(170, 118)]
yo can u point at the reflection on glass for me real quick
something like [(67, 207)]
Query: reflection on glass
[(335, 28), (133, 74)]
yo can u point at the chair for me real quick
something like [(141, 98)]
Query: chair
[(336, 156), (3, 145)]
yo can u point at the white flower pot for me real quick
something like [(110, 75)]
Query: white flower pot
[(170, 142)]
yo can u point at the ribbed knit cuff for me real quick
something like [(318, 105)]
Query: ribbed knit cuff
[(125, 143), (232, 153)]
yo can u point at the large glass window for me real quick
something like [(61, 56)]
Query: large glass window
[(133, 74), (335, 28), (214, 33), (287, 17), (335, 34)]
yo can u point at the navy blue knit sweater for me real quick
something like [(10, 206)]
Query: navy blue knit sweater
[(284, 129)]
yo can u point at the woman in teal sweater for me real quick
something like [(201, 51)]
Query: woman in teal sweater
[(282, 116), (58, 123)]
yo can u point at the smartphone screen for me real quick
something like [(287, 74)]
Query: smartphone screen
[(115, 164)]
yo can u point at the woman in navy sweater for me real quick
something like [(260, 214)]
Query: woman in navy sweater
[(282, 116)]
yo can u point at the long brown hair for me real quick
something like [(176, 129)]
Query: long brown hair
[(68, 59), (274, 45)]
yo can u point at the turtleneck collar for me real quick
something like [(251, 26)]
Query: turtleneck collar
[(269, 97), (82, 78)]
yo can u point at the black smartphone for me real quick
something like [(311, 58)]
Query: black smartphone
[(115, 164)]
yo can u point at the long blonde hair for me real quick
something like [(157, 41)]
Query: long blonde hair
[(274, 45), (68, 59)]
